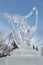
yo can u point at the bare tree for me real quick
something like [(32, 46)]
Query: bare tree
[(5, 49)]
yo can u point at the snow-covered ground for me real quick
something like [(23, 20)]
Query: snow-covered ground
[(25, 52), (22, 60), (26, 56)]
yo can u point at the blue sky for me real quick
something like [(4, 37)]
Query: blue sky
[(21, 7)]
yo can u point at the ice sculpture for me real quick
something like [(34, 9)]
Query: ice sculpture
[(21, 29)]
